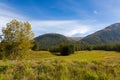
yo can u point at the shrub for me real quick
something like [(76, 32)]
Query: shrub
[(67, 49)]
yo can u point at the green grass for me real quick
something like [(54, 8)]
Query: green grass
[(38, 55), (77, 56), (83, 65)]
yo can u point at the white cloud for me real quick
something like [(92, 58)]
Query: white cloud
[(81, 30), (8, 13), (66, 27)]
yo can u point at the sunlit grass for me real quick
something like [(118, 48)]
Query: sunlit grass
[(82, 65), (37, 55), (84, 56), (79, 56)]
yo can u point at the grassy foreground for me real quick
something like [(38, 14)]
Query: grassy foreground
[(83, 65)]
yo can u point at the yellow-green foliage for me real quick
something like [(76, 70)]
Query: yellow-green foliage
[(83, 65), (17, 40)]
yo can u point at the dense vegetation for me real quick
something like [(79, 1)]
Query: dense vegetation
[(17, 40), (47, 41), (66, 49), (106, 47), (82, 47), (84, 65)]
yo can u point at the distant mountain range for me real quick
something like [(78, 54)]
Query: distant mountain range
[(108, 35)]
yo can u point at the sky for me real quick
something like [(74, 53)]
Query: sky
[(77, 18)]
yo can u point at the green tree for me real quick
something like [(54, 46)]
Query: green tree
[(17, 39), (66, 49)]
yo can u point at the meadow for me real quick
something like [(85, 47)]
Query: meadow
[(82, 65)]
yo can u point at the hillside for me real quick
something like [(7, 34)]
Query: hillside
[(74, 38), (50, 40), (110, 34)]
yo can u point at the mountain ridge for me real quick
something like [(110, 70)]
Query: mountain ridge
[(110, 34)]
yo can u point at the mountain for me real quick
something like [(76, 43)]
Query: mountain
[(51, 39), (110, 34)]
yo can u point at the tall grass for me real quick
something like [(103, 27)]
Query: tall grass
[(85, 65), (60, 70)]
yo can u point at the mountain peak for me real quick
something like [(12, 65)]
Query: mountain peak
[(114, 26), (110, 34)]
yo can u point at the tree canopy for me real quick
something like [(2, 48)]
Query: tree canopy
[(17, 39)]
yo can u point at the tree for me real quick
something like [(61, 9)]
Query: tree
[(66, 49), (17, 39)]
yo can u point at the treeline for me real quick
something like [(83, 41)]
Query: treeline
[(81, 47), (74, 47), (63, 49), (106, 47)]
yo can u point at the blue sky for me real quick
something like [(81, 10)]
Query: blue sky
[(68, 17)]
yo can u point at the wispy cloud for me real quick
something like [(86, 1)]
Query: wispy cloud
[(8, 13), (66, 27)]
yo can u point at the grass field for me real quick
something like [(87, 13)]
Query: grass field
[(83, 65), (77, 56)]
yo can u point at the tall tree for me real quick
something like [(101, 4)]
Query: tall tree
[(67, 49), (17, 39)]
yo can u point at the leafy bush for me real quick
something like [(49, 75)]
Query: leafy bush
[(66, 49)]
